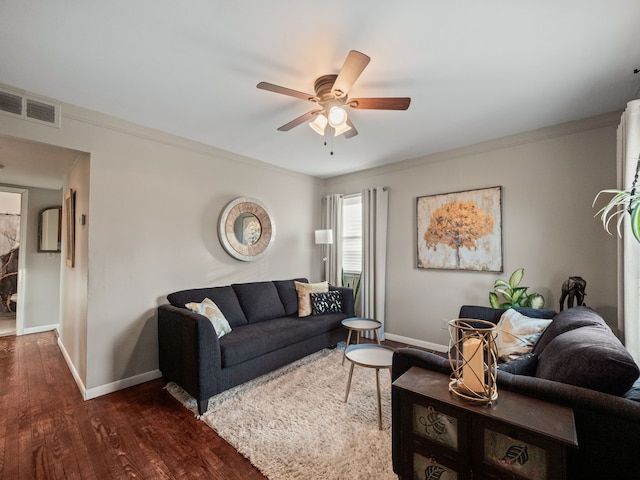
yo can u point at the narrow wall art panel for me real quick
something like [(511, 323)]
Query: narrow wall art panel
[(460, 230)]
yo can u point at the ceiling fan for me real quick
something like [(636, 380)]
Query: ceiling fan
[(331, 95)]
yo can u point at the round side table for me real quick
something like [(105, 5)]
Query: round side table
[(370, 355), (359, 324)]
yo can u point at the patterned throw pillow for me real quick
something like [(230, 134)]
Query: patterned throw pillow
[(518, 334), (327, 302), (304, 300), (210, 310)]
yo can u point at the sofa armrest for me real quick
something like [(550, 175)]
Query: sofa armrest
[(347, 300), (571, 395), (607, 425), (407, 357), (189, 352)]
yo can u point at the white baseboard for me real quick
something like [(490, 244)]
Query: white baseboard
[(72, 368), (90, 393), (417, 343), (40, 329), (121, 384)]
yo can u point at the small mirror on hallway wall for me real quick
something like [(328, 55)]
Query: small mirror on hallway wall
[(49, 232), (246, 229)]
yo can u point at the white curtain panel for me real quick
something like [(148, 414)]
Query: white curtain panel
[(375, 205), (629, 251), (333, 220)]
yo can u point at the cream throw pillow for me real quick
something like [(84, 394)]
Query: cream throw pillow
[(209, 309), (304, 291), (517, 334)]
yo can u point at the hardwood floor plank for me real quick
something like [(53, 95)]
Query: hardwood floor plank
[(48, 431)]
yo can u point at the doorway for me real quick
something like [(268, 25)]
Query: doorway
[(10, 210)]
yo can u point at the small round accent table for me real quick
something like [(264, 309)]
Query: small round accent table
[(359, 324), (369, 355)]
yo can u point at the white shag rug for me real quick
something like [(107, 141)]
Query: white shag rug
[(293, 423)]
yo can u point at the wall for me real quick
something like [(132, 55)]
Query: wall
[(42, 292), (152, 205), (74, 280), (549, 179)]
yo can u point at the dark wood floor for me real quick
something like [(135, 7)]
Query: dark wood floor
[(47, 431)]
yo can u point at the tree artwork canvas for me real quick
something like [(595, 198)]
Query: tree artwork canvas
[(460, 230)]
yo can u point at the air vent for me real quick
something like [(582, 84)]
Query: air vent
[(29, 108), (10, 103), (41, 111)]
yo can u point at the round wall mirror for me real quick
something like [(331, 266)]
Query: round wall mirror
[(245, 229)]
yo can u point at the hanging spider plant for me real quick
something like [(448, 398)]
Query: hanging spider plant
[(623, 201)]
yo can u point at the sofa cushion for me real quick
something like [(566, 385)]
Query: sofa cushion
[(588, 355), (493, 314), (210, 310), (304, 290), (326, 302), (251, 341), (524, 365), (567, 320), (259, 301), (224, 297), (288, 295), (517, 334)]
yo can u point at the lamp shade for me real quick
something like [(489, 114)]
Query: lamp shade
[(324, 237), (340, 129), (319, 123)]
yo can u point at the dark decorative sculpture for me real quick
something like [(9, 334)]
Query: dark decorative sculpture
[(573, 288)]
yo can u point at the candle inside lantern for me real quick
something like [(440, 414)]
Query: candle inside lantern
[(472, 368)]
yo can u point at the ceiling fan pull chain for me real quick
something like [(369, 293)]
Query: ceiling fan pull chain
[(331, 145)]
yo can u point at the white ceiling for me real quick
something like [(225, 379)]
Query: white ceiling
[(474, 70)]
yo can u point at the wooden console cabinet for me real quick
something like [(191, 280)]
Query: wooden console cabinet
[(445, 437)]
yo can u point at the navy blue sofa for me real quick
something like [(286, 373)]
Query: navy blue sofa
[(577, 362), (266, 334)]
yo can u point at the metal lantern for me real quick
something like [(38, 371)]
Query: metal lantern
[(473, 355)]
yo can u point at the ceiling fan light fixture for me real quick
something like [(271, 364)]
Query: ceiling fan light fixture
[(331, 97), (340, 129), (319, 124), (337, 116)]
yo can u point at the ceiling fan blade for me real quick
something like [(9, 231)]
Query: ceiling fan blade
[(353, 66), (286, 91), (389, 103), (297, 121)]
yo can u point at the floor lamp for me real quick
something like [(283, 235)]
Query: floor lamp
[(324, 238)]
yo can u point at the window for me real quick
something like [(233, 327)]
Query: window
[(352, 234)]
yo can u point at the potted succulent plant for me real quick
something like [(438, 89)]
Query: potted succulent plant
[(513, 294), (622, 202)]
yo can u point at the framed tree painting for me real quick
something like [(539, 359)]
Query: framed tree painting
[(460, 230)]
